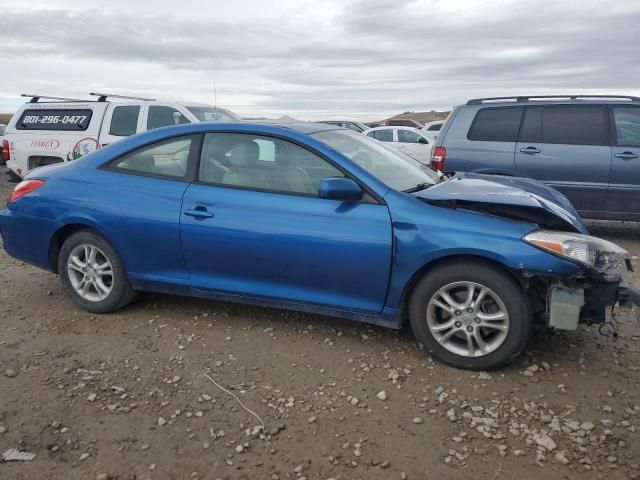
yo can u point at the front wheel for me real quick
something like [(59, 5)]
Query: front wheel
[(470, 315), (92, 273)]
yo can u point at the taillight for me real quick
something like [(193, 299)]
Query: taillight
[(437, 158), (23, 188), (6, 156)]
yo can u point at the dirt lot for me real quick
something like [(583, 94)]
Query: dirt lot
[(125, 396)]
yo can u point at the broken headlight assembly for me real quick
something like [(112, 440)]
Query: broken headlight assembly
[(592, 252)]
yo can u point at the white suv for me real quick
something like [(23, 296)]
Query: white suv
[(59, 130)]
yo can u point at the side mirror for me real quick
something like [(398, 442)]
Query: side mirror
[(337, 188), (423, 140)]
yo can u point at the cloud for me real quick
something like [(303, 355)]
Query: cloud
[(365, 59)]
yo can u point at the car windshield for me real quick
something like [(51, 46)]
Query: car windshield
[(212, 114), (395, 169)]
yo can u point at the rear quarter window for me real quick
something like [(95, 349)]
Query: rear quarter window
[(496, 124), (50, 119)]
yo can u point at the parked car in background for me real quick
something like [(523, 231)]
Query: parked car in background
[(324, 220), (407, 140), (61, 130), (2, 154), (351, 125), (402, 122), (432, 129), (585, 146)]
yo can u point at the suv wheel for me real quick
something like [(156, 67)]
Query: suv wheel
[(470, 315), (92, 273)]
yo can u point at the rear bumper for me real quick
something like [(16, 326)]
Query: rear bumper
[(27, 237)]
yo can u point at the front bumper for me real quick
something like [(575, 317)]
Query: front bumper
[(585, 298)]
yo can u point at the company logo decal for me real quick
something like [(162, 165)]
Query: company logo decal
[(47, 144), (82, 148)]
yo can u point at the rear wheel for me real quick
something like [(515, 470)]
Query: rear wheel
[(92, 273), (470, 315)]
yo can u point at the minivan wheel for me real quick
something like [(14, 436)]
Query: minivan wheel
[(470, 315), (92, 273)]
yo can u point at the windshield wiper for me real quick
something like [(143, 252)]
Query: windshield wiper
[(418, 187)]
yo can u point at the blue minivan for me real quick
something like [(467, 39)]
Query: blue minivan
[(587, 147)]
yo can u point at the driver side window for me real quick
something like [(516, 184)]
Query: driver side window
[(259, 162), (165, 159)]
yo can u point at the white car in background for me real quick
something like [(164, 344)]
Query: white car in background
[(408, 140), (432, 129)]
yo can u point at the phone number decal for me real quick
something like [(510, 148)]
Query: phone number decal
[(54, 119)]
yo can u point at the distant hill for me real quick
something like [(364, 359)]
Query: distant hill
[(422, 117), (5, 117)]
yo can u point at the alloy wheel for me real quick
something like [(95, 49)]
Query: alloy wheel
[(468, 319), (90, 272)]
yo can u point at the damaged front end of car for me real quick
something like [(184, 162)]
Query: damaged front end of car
[(603, 282), (562, 302)]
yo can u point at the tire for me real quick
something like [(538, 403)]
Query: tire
[(13, 176), (502, 296), (108, 288)]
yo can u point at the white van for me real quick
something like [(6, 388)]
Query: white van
[(60, 130)]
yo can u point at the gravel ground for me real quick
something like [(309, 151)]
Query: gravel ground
[(130, 395)]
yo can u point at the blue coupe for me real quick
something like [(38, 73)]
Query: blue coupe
[(320, 219)]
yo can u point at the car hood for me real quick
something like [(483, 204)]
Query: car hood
[(512, 197)]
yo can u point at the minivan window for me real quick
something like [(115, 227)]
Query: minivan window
[(124, 120), (627, 126), (435, 128), (565, 124), (163, 116), (496, 124)]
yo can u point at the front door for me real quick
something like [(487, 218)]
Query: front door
[(253, 225), (567, 147), (623, 196)]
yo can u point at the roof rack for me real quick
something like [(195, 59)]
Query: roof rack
[(102, 97), (478, 101), (35, 98)]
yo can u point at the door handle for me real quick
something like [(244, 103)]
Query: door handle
[(198, 212), (530, 150), (626, 155)]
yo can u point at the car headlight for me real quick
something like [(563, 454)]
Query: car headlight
[(593, 252)]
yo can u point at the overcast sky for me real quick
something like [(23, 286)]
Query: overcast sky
[(314, 59)]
